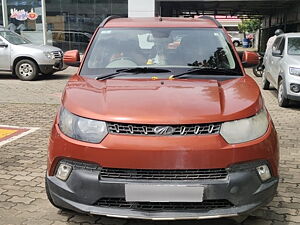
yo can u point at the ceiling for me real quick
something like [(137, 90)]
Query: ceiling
[(252, 8)]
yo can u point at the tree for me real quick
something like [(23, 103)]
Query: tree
[(249, 26)]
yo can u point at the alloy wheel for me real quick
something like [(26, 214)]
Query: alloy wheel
[(25, 70)]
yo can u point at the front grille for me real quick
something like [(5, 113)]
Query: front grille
[(164, 130), (141, 174), (165, 206), (57, 54)]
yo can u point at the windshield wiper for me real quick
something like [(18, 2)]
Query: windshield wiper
[(135, 70), (215, 70)]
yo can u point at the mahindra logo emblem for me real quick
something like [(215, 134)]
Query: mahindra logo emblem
[(163, 130)]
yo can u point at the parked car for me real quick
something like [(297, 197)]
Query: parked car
[(236, 40), (25, 59), (282, 68), (152, 132), (67, 40)]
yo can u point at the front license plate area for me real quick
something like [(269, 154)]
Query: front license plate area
[(163, 193)]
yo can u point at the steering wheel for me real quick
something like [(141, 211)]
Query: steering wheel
[(122, 62)]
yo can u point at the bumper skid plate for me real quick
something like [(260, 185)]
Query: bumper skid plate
[(240, 192)]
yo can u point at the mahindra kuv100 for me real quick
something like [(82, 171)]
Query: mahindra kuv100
[(161, 122)]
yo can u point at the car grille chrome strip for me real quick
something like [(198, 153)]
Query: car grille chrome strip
[(58, 54), (165, 206), (144, 174), (163, 130)]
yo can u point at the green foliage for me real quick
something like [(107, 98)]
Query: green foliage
[(249, 26)]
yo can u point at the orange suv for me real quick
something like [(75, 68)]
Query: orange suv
[(161, 122)]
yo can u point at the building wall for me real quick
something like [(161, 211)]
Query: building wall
[(288, 20), (141, 8)]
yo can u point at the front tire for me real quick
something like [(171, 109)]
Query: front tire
[(283, 101), (236, 44), (257, 71), (26, 70), (265, 82)]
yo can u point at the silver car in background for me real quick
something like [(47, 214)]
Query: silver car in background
[(25, 59), (282, 68)]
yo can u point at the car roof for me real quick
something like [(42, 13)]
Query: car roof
[(162, 22), (290, 35)]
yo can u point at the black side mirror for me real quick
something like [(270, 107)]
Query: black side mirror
[(276, 53)]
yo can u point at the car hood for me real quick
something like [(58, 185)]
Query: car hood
[(293, 60), (44, 48), (179, 101)]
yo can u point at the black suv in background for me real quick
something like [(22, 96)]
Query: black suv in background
[(67, 40)]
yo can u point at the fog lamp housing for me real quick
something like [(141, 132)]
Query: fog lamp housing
[(295, 88), (264, 172), (63, 171)]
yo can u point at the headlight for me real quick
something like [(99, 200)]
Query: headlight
[(81, 128), (295, 71), (49, 55), (244, 130)]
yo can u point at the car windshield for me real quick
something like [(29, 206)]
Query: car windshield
[(294, 46), (14, 38), (176, 49)]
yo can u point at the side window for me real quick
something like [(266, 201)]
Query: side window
[(276, 43), (76, 37), (83, 38), (68, 37), (57, 36), (281, 46)]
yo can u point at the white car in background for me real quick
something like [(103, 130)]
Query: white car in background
[(26, 59), (282, 68), (236, 40)]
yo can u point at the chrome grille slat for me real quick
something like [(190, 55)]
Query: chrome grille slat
[(57, 54), (166, 206), (140, 174), (179, 130)]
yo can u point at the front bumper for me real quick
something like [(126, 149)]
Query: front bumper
[(84, 189), (57, 66), (290, 79)]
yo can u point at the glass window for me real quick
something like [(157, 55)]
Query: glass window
[(276, 43), (25, 18), (160, 47), (281, 46), (293, 46), (13, 38), (81, 17)]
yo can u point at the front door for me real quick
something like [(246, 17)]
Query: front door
[(273, 60), (4, 55), (277, 62)]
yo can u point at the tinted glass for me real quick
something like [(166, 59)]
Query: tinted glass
[(115, 48), (294, 46)]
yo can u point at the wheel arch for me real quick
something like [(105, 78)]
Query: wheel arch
[(19, 58)]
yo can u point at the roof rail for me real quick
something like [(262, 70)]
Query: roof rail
[(212, 19), (108, 19)]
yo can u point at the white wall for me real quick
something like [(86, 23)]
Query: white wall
[(141, 8)]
